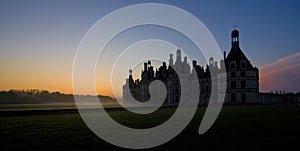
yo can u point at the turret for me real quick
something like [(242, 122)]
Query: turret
[(171, 60), (235, 38), (145, 67), (178, 56)]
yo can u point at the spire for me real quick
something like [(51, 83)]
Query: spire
[(130, 73), (178, 56), (130, 76)]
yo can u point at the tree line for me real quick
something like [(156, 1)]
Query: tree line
[(29, 96)]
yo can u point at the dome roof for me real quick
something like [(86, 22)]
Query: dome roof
[(235, 33)]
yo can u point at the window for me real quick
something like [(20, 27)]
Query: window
[(232, 65), (243, 84), (232, 74), (233, 85), (176, 82), (243, 96), (233, 97), (243, 74), (243, 64)]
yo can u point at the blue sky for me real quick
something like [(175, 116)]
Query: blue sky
[(39, 38)]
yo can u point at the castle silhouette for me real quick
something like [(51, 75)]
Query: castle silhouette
[(242, 79)]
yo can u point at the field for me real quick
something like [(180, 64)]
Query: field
[(264, 127)]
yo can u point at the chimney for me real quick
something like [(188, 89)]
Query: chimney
[(194, 63), (145, 66), (185, 60)]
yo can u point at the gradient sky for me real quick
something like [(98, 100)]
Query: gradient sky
[(39, 38)]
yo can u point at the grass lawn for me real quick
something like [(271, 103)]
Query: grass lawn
[(264, 127)]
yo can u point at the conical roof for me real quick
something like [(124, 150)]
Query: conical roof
[(236, 53)]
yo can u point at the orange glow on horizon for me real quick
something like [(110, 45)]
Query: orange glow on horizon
[(281, 74), (53, 78)]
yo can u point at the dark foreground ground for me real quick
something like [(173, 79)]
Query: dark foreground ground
[(265, 127)]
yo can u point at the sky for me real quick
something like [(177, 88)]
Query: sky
[(39, 38)]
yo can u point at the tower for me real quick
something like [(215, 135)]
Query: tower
[(242, 77), (171, 60), (235, 36), (178, 56)]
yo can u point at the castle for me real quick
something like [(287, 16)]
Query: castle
[(242, 79)]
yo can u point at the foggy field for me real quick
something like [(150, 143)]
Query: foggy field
[(264, 127)]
